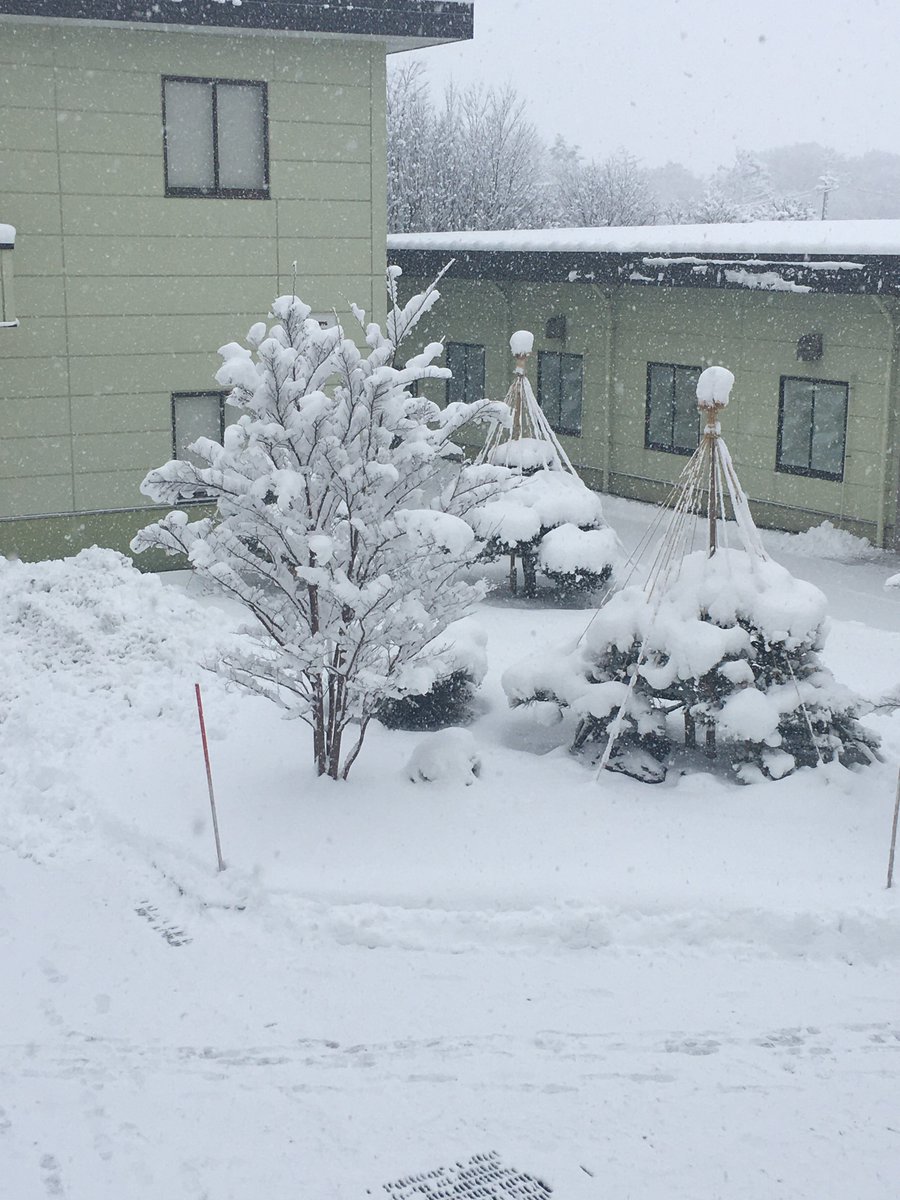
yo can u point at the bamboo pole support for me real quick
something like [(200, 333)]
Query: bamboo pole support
[(711, 435)]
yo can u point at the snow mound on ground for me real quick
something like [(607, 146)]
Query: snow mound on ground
[(827, 541), (93, 616), (449, 756), (97, 625), (90, 648)]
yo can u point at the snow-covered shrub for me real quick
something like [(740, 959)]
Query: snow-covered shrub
[(338, 524), (449, 756), (570, 556), (729, 650), (439, 690), (539, 521)]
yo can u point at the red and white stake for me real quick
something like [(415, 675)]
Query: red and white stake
[(890, 878), (212, 797)]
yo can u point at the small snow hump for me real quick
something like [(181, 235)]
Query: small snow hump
[(714, 387), (521, 342), (448, 756)]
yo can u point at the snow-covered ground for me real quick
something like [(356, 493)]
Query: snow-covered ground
[(681, 992)]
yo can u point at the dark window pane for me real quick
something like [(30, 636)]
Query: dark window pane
[(686, 424), (190, 160), (466, 361), (673, 422), (456, 362), (829, 421), (660, 400), (548, 386), (570, 393), (475, 374), (241, 132), (796, 423)]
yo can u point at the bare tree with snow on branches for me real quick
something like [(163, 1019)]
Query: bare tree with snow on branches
[(338, 519)]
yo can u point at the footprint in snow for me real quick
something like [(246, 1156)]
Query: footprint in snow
[(169, 932)]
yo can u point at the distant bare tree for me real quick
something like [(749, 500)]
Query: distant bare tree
[(613, 191), (743, 191), (472, 162), (410, 132)]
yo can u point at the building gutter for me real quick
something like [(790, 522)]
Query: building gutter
[(887, 423), (612, 315)]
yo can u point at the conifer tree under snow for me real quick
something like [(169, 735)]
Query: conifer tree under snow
[(338, 520), (718, 650)]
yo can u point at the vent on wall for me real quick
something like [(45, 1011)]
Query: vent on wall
[(556, 329), (810, 347)]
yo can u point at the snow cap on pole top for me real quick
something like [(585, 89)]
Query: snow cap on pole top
[(521, 342), (714, 387)]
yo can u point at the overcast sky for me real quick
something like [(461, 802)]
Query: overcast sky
[(692, 80)]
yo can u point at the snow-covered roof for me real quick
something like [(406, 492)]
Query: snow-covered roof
[(833, 257), (402, 24), (7, 236), (818, 238)]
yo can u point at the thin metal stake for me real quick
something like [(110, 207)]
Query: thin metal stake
[(890, 878), (212, 797)]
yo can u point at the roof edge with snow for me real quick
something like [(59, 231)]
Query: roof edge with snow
[(792, 256)]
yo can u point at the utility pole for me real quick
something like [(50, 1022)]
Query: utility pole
[(826, 185)]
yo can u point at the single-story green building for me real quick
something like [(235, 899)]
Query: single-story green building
[(806, 314), (166, 170)]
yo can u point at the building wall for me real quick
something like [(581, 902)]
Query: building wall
[(753, 333), (124, 295)]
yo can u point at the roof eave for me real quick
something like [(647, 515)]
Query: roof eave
[(401, 24), (857, 274)]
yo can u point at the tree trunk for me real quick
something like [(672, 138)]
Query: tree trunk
[(529, 574), (319, 730), (513, 575), (351, 757), (710, 741), (690, 731)]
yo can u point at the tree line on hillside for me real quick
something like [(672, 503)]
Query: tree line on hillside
[(472, 160)]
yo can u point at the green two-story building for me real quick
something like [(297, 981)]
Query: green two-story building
[(166, 170), (806, 314)]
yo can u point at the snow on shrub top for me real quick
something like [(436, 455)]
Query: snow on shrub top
[(567, 550), (524, 454), (540, 501), (731, 589), (461, 647), (733, 586), (714, 387)]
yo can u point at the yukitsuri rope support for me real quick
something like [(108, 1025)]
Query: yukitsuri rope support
[(711, 461), (529, 422)]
